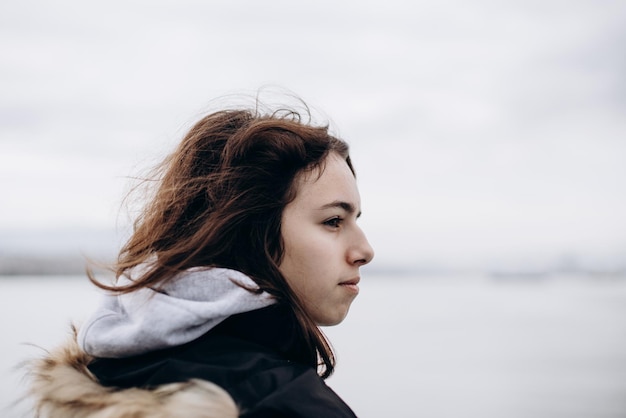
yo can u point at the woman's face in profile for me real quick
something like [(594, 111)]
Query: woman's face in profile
[(323, 245)]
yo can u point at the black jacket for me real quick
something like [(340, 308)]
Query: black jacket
[(257, 357)]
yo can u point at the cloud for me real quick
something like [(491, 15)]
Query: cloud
[(477, 128)]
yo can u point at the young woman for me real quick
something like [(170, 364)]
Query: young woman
[(249, 244)]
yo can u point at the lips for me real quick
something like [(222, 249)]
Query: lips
[(351, 285), (351, 282)]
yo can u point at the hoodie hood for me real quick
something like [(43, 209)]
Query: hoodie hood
[(185, 308)]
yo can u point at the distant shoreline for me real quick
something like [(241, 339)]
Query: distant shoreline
[(76, 265), (45, 265)]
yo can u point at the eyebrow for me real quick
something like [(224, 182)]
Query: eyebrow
[(348, 207)]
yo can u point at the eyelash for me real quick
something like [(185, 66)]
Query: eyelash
[(334, 222)]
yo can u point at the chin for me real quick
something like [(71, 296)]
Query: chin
[(330, 321)]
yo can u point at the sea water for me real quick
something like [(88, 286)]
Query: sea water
[(466, 346)]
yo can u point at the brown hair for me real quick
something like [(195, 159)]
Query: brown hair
[(219, 202)]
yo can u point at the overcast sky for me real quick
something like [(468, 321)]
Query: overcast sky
[(483, 132)]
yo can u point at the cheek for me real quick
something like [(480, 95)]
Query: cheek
[(311, 250), (305, 260), (298, 260)]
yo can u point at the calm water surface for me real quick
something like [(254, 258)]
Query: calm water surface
[(416, 347)]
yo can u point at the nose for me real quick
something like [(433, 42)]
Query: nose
[(361, 252)]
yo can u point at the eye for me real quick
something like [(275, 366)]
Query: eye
[(334, 222)]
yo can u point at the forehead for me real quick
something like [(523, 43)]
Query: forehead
[(333, 181)]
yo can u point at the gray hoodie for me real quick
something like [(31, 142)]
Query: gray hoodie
[(188, 306)]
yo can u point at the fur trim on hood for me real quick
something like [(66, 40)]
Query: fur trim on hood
[(61, 386)]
